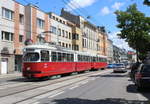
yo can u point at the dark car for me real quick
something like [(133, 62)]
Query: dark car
[(142, 77), (134, 69)]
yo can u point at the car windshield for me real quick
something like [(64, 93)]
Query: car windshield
[(31, 57), (119, 65), (146, 68)]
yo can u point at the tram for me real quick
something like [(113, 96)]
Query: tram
[(45, 60)]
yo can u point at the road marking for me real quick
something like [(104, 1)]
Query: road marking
[(36, 103), (56, 94), (141, 97), (47, 94), (85, 82), (74, 87), (92, 79)]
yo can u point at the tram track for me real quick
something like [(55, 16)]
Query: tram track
[(44, 84), (86, 75)]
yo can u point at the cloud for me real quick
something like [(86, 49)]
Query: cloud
[(117, 5), (75, 4), (119, 42), (105, 10)]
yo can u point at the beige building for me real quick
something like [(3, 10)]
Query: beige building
[(77, 38), (110, 51), (89, 34), (61, 31)]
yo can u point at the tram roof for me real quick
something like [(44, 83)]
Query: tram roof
[(40, 46), (56, 48)]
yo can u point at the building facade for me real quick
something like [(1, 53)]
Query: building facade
[(110, 51), (61, 32), (90, 35), (21, 25)]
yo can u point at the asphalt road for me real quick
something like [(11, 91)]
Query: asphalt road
[(111, 88)]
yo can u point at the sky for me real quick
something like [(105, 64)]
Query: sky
[(101, 12)]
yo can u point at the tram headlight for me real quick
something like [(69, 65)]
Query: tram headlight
[(28, 68)]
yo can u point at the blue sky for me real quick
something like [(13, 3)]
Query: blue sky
[(100, 11)]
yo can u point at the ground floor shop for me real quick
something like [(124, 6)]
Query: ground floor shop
[(6, 63)]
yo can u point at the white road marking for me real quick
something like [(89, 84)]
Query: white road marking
[(74, 87), (141, 97), (85, 82), (56, 94), (36, 103), (92, 79), (47, 94)]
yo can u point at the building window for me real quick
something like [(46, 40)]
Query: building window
[(69, 35), (64, 22), (40, 23), (66, 34), (53, 29), (59, 43), (7, 36), (60, 21), (8, 14), (59, 32), (63, 44), (70, 46), (66, 45), (20, 38), (21, 18), (54, 17), (75, 36), (63, 33)]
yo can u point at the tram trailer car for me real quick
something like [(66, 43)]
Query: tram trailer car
[(43, 61)]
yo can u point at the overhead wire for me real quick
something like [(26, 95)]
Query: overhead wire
[(83, 11)]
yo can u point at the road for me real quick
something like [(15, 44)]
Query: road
[(112, 88), (99, 87)]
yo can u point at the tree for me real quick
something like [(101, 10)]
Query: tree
[(146, 2), (135, 29)]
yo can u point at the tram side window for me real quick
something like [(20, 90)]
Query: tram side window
[(64, 57), (72, 58), (79, 58), (54, 57), (44, 56), (68, 57), (59, 57)]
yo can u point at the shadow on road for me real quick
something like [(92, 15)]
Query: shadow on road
[(145, 91), (102, 101)]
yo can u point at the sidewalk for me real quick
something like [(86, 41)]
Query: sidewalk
[(11, 75)]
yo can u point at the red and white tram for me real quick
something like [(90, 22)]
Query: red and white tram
[(43, 61)]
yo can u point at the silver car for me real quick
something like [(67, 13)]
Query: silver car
[(119, 68)]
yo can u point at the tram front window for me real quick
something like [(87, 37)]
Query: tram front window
[(31, 57)]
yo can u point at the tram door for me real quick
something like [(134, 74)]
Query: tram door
[(4, 66)]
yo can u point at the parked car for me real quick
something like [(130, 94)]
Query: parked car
[(134, 69), (120, 68), (142, 77), (111, 66)]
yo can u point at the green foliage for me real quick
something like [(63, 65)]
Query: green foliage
[(146, 2), (135, 28)]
